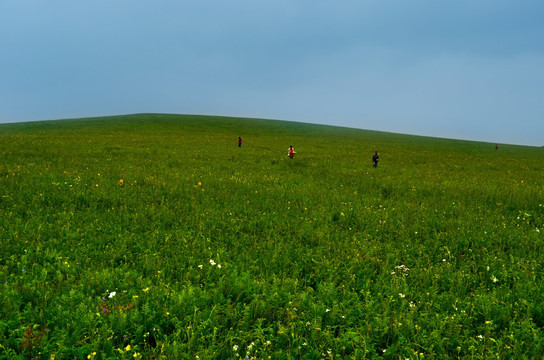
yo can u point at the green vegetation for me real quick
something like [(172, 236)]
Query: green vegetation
[(156, 236)]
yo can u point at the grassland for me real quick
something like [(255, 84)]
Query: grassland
[(156, 236)]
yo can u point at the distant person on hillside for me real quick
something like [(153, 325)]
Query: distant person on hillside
[(291, 152), (496, 146), (239, 141), (375, 159)]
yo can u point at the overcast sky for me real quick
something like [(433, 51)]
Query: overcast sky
[(466, 69)]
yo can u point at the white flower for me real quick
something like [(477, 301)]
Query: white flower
[(402, 295), (112, 294), (200, 266), (235, 348), (219, 266), (327, 310), (495, 279), (212, 262), (480, 337)]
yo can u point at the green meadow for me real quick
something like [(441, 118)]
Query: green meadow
[(156, 237)]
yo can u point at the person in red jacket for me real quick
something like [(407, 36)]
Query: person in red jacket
[(291, 152)]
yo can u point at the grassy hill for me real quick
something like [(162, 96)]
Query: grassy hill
[(156, 236)]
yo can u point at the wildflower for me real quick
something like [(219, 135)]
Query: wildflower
[(327, 310), (402, 295), (219, 266), (403, 268), (495, 279), (127, 348), (480, 337), (121, 182), (200, 266), (112, 294), (146, 289), (235, 348), (212, 262)]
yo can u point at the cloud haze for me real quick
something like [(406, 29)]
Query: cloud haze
[(464, 69)]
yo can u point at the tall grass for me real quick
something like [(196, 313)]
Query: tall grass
[(156, 236)]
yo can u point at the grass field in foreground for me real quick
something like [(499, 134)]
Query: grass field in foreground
[(156, 236)]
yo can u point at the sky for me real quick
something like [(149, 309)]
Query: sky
[(464, 69)]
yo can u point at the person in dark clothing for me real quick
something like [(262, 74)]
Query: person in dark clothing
[(375, 159), (239, 141)]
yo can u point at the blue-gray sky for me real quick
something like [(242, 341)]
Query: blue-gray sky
[(466, 69)]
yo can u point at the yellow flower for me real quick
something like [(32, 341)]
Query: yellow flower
[(146, 289), (127, 348), (121, 182), (199, 183)]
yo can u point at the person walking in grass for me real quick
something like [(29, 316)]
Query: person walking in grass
[(375, 159), (291, 152), (239, 141)]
